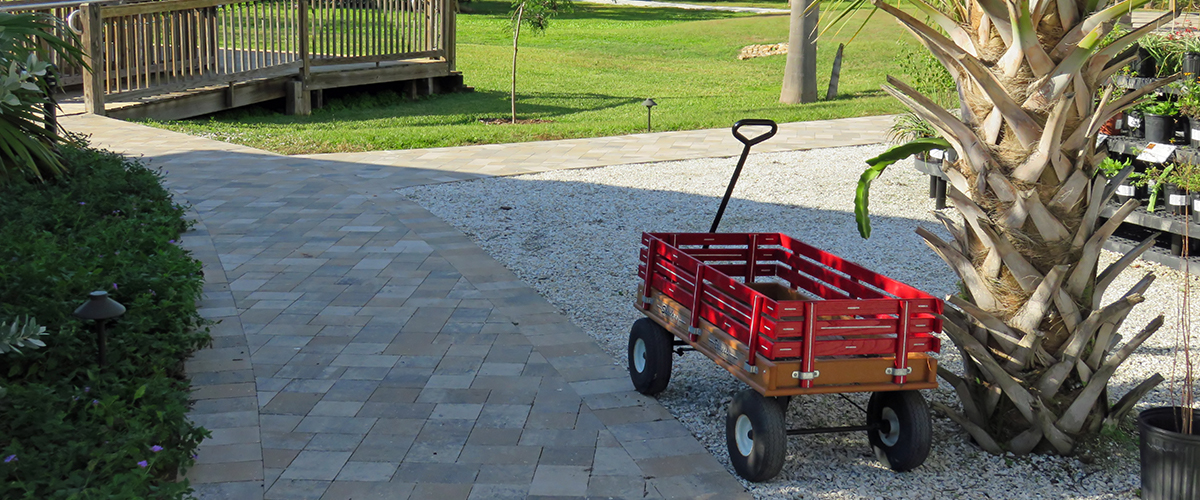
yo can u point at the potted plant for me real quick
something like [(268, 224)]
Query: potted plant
[(1134, 123), (1165, 51), (1189, 107), (1133, 187), (1183, 189), (1170, 435), (1188, 40), (1155, 179), (1116, 124), (1159, 119)]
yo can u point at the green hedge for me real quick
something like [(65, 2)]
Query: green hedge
[(69, 429)]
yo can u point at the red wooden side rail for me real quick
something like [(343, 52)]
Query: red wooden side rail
[(811, 304)]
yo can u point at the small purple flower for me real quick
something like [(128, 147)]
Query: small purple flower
[(95, 402), (152, 293), (115, 287), (143, 464), (156, 448), (194, 456), (74, 398), (87, 389), (10, 459), (83, 203)]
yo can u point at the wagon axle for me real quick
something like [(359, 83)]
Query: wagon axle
[(829, 430)]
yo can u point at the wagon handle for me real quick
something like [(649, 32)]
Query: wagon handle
[(748, 142), (754, 122)]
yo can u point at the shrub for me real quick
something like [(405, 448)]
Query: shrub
[(69, 429)]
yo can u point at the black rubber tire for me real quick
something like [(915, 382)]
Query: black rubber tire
[(760, 455), (905, 448), (657, 342)]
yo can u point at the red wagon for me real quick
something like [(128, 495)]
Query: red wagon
[(787, 319)]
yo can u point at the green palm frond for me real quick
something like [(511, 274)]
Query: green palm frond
[(28, 150)]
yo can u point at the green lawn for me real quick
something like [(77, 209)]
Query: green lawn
[(588, 75)]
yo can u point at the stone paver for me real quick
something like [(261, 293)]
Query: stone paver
[(367, 349)]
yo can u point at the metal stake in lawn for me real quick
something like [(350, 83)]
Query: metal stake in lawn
[(749, 122)]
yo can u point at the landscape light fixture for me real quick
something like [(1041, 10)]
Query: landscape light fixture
[(648, 103), (100, 308)]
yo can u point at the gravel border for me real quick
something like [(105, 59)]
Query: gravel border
[(573, 235)]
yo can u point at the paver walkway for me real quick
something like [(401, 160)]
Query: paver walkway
[(367, 349)]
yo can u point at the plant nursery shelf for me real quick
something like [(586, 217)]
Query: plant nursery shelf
[(1137, 82), (1140, 224), (1156, 254), (1157, 221), (1129, 146)]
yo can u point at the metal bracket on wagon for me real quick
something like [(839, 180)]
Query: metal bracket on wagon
[(806, 375), (898, 372), (646, 300), (750, 368)]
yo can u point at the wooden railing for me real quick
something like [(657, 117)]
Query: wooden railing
[(68, 74), (148, 48)]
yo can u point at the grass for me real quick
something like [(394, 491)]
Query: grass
[(588, 75)]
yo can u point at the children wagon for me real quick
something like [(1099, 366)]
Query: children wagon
[(787, 319)]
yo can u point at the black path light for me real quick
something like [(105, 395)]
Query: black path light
[(648, 103), (100, 308)]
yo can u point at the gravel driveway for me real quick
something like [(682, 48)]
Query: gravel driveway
[(574, 234)]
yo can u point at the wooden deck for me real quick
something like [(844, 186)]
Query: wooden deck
[(175, 59)]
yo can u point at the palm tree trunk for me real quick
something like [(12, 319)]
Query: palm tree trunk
[(800, 69), (1038, 346)]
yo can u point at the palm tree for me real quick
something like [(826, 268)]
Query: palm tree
[(1038, 346)]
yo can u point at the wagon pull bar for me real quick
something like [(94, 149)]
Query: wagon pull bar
[(748, 142)]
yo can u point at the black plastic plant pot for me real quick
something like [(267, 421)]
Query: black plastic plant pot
[(1178, 200), (1127, 191), (1159, 128), (1194, 132), (1191, 65), (1182, 130), (1170, 458), (1134, 122), (1146, 66)]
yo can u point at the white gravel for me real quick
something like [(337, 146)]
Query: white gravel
[(574, 236)]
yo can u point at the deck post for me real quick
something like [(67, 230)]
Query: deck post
[(93, 59), (448, 33), (431, 39), (299, 99)]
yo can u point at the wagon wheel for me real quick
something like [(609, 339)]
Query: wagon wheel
[(899, 428), (756, 436), (649, 356)]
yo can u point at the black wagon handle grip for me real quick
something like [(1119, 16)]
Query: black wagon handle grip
[(754, 122), (748, 122)]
